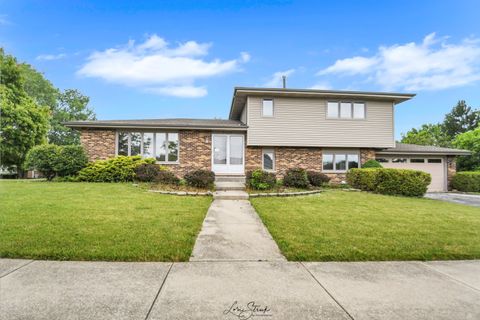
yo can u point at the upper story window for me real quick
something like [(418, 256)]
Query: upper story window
[(163, 146), (267, 108), (345, 110)]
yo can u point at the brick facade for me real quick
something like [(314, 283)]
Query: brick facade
[(98, 144), (195, 152), (195, 148), (297, 157)]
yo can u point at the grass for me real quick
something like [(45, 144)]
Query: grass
[(358, 226), (96, 221)]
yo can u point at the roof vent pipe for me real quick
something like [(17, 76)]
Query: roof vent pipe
[(284, 81)]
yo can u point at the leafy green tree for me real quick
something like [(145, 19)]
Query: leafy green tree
[(461, 119), (427, 135), (469, 140), (38, 87), (65, 106), (23, 122), (71, 105)]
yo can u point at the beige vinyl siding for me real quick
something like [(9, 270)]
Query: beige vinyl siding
[(243, 116), (303, 122)]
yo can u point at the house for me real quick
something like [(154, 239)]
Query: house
[(276, 129)]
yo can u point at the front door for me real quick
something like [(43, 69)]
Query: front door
[(227, 153)]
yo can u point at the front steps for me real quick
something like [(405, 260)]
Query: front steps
[(230, 187)]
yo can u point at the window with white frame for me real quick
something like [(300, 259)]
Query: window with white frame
[(267, 108), (345, 110), (163, 146), (268, 157), (340, 161)]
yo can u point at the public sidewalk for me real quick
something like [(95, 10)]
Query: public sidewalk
[(222, 289)]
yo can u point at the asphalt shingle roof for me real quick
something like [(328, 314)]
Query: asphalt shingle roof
[(161, 123), (413, 148)]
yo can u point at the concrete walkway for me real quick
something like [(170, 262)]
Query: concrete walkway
[(467, 199), (232, 231), (220, 290)]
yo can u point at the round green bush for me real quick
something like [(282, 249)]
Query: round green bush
[(44, 159), (372, 164), (467, 181), (296, 178), (70, 160), (261, 180), (317, 179), (167, 177), (146, 172), (200, 178)]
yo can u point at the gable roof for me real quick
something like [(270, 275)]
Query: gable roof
[(405, 148), (176, 123), (240, 95)]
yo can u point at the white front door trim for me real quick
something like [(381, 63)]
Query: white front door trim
[(228, 168)]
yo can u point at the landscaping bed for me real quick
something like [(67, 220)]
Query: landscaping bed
[(360, 226), (96, 221)]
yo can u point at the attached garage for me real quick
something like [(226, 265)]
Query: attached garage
[(438, 162)]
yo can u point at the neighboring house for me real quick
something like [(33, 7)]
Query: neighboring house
[(276, 129)]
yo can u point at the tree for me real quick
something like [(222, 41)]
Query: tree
[(427, 135), (38, 87), (65, 106), (71, 105), (23, 122), (469, 140), (461, 119)]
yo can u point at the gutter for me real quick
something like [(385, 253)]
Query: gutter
[(149, 126), (436, 153)]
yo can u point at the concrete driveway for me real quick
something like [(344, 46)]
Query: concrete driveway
[(468, 199), (239, 290)]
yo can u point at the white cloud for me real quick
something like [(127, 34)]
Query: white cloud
[(179, 91), (322, 85), (4, 20), (50, 57), (276, 78), (157, 67), (430, 65)]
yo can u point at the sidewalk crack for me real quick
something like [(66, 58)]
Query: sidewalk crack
[(325, 289), (449, 276), (158, 292), (12, 271)]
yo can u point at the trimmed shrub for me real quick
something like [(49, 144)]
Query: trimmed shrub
[(146, 172), (467, 181), (410, 183), (317, 179), (71, 159), (372, 164), (43, 158), (363, 179), (167, 177), (296, 178), (200, 178), (261, 180), (118, 169)]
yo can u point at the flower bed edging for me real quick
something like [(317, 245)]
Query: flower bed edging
[(284, 194), (182, 193)]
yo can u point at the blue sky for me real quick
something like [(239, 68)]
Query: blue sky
[(183, 58)]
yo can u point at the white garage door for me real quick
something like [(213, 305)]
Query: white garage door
[(434, 166)]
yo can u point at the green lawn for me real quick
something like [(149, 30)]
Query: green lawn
[(358, 226), (96, 221)]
